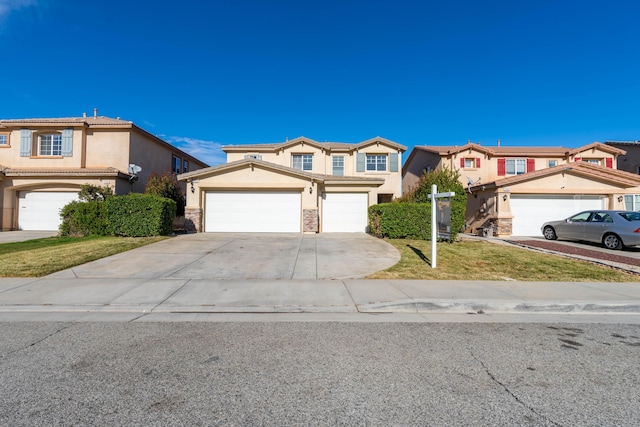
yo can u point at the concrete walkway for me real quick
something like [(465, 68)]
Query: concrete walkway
[(226, 278)]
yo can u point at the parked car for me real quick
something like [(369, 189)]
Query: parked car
[(614, 229)]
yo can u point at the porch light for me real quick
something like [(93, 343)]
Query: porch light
[(620, 198), (504, 198), (193, 190)]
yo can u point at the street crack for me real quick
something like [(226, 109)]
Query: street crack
[(505, 388), (34, 343)]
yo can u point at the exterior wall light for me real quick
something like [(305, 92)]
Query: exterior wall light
[(620, 199), (193, 190), (504, 198)]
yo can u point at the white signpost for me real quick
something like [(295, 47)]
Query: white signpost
[(434, 222)]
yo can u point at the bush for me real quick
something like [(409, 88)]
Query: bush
[(83, 219), (91, 193), (140, 215), (401, 220), (166, 185)]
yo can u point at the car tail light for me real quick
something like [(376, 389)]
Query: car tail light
[(637, 230)]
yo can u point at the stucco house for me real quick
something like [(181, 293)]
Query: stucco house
[(45, 161), (513, 190), (299, 185)]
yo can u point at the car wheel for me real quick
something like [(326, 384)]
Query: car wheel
[(612, 241), (549, 233)]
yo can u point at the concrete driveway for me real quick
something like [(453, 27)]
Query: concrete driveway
[(283, 256)]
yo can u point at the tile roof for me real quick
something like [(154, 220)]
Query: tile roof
[(68, 121), (343, 146), (582, 168), (286, 169), (8, 171)]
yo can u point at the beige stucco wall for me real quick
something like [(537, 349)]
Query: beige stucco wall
[(10, 156)]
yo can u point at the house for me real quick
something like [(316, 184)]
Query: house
[(44, 162), (513, 190), (299, 185)]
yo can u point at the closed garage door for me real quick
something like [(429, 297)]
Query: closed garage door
[(252, 211), (344, 212), (530, 212), (40, 210)]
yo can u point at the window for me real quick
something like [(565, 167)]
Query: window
[(4, 139), (632, 202), (185, 166), (303, 162), (50, 144), (253, 156), (469, 162), (581, 217), (552, 163), (516, 166), (376, 162), (338, 165), (176, 163), (592, 161)]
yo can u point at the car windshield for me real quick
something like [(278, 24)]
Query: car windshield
[(630, 216)]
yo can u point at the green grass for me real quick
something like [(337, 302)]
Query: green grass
[(39, 257), (489, 261)]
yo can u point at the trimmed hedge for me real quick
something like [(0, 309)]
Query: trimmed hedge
[(83, 219), (140, 215), (133, 215), (401, 220)]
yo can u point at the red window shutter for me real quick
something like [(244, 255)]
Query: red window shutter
[(461, 162), (502, 167), (477, 162), (531, 165), (609, 161), (577, 159)]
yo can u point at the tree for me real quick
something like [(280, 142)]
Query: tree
[(94, 193), (445, 180), (166, 185)]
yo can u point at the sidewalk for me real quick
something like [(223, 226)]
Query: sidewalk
[(51, 298)]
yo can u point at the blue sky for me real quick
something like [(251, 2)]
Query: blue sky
[(206, 74)]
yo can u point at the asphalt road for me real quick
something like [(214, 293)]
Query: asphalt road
[(319, 374)]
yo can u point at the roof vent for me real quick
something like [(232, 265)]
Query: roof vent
[(95, 112), (84, 115)]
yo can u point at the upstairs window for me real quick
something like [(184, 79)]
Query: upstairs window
[(4, 139), (470, 162), (515, 166), (303, 162), (552, 163), (338, 165), (185, 166), (176, 163), (50, 144), (253, 156), (376, 163)]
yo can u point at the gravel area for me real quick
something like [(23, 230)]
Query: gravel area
[(572, 250)]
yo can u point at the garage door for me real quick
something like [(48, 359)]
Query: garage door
[(40, 210), (344, 212), (530, 212), (252, 211)]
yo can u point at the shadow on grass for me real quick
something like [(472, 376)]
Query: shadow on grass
[(420, 254)]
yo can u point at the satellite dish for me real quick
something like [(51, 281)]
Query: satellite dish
[(134, 169)]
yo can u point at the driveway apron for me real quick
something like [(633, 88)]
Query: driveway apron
[(231, 256)]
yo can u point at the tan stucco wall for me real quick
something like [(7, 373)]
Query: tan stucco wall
[(10, 156), (323, 163)]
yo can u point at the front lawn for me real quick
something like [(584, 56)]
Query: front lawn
[(39, 257), (479, 260)]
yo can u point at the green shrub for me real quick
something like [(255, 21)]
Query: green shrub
[(401, 220), (140, 215), (90, 193), (83, 219), (166, 185)]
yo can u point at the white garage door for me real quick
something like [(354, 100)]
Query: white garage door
[(530, 212), (252, 211), (40, 210), (344, 212)]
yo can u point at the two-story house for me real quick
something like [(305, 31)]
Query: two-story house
[(44, 162), (299, 185), (514, 190)]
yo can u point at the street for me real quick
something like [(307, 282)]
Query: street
[(319, 373)]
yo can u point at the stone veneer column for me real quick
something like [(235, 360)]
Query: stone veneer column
[(193, 220), (310, 220)]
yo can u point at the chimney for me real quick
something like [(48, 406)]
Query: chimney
[(84, 115), (95, 112), (498, 143)]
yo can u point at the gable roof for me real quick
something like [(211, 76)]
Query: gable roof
[(502, 150), (584, 169), (238, 164), (328, 146)]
